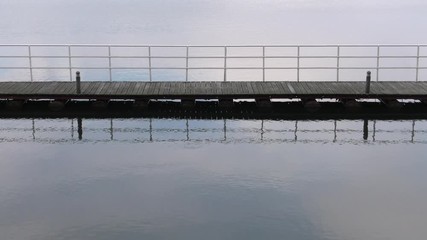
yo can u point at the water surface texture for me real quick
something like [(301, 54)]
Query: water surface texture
[(212, 179)]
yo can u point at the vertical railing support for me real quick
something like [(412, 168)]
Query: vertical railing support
[(30, 62), (378, 63), (69, 63), (109, 63), (225, 64), (338, 63), (418, 64), (186, 64), (368, 82), (263, 63), (78, 86), (149, 63), (298, 62)]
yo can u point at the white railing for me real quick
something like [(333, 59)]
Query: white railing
[(329, 57)]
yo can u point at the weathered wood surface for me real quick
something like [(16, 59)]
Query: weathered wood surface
[(211, 90)]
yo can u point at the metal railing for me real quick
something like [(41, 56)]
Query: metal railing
[(262, 53), (225, 131)]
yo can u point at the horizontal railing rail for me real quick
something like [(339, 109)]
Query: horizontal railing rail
[(415, 60)]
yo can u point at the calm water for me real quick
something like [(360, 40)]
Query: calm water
[(212, 179)]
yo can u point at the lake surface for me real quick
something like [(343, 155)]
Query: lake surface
[(212, 179)]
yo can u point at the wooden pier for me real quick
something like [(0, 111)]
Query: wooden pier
[(106, 91)]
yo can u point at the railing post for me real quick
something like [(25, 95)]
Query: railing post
[(378, 62), (109, 63), (263, 63), (149, 63), (418, 64), (338, 63), (78, 86), (186, 65), (225, 64), (368, 82), (30, 62), (69, 63), (298, 63)]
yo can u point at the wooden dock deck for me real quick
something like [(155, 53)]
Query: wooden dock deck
[(211, 90)]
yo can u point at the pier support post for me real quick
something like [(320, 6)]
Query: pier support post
[(140, 104), (392, 104), (188, 103), (225, 103), (368, 82), (78, 86), (15, 105), (263, 102), (99, 104), (351, 104), (311, 105), (56, 105)]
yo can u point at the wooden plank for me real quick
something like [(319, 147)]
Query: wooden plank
[(386, 88), (60, 89), (389, 89), (237, 88), (327, 88), (245, 88), (412, 87), (46, 88), (249, 88), (282, 88), (37, 87), (162, 89), (256, 88), (121, 89), (124, 88), (26, 88), (409, 88), (115, 88), (154, 90), (69, 89), (185, 88), (146, 88), (200, 88), (139, 86), (422, 86), (128, 88), (309, 88), (230, 89), (305, 87), (173, 88), (92, 88), (99, 89), (7, 87), (106, 89)]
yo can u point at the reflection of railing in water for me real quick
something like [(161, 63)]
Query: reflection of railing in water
[(228, 131)]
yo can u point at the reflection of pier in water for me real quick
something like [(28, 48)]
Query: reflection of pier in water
[(212, 131)]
